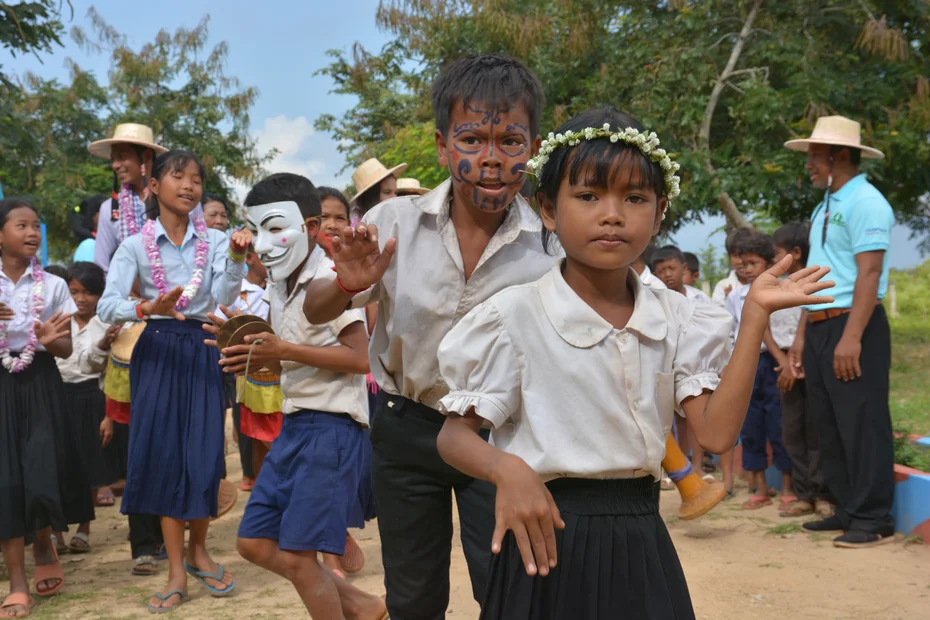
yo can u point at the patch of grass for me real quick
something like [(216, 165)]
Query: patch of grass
[(815, 537), (910, 351), (916, 539), (785, 528)]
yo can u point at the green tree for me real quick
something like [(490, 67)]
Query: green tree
[(30, 28), (724, 82)]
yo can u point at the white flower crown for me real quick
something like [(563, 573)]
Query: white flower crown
[(647, 142)]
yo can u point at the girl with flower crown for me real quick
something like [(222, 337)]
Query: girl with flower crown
[(42, 485), (578, 532), (175, 457)]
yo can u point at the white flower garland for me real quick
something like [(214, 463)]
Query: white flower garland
[(647, 142)]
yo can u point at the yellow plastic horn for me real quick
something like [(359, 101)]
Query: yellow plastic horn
[(697, 496)]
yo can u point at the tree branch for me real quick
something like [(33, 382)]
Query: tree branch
[(729, 208)]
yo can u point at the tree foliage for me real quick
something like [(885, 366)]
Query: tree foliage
[(724, 82), (175, 84)]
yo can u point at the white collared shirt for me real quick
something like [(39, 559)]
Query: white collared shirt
[(251, 301), (570, 394), (783, 324), (83, 340), (19, 297), (424, 294), (649, 279), (696, 295), (720, 293), (306, 387)]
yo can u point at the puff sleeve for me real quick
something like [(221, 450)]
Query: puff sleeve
[(479, 363), (703, 351)]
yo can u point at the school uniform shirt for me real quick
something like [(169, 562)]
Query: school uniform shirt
[(18, 296), (306, 387), (784, 326), (696, 295), (222, 277), (570, 394), (424, 293), (719, 295), (251, 300), (860, 221), (649, 279), (83, 339)]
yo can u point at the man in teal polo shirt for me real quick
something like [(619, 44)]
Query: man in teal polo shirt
[(844, 348)]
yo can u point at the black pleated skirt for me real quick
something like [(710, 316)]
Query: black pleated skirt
[(42, 479), (103, 466), (616, 560)]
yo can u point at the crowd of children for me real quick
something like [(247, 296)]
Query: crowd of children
[(481, 324)]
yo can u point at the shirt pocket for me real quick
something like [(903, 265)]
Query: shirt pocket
[(665, 400)]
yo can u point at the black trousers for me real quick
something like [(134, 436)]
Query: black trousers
[(853, 423), (800, 439), (413, 490), (145, 535)]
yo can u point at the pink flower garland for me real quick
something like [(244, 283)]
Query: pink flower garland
[(131, 212), (158, 271), (37, 306)]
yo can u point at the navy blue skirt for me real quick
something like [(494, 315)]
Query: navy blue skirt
[(175, 459)]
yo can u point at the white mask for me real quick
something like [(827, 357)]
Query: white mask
[(279, 237)]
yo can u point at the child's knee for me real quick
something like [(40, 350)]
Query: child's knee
[(252, 549), (300, 565)]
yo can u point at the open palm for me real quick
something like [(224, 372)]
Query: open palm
[(360, 262), (51, 330), (771, 292)]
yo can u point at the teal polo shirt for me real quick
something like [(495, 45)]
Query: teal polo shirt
[(860, 221)]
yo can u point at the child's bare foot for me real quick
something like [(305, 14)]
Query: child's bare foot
[(372, 608), (169, 597), (17, 605), (217, 579), (49, 575)]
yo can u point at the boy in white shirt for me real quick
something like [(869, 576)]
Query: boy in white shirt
[(735, 277)]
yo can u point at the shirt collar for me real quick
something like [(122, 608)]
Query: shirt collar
[(28, 272), (520, 216), (190, 232), (849, 188), (580, 326)]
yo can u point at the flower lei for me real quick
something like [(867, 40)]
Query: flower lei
[(158, 270), (37, 307), (131, 212), (647, 142)]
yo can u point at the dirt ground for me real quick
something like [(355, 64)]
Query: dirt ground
[(738, 564)]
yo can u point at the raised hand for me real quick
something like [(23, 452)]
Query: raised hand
[(51, 330), (525, 506), (360, 263), (164, 305), (217, 323), (771, 292), (6, 312), (240, 240), (107, 341)]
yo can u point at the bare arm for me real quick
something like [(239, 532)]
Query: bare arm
[(325, 301), (865, 295), (61, 347)]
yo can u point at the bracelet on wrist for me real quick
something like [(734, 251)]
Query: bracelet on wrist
[(139, 313), (346, 290), (237, 258)]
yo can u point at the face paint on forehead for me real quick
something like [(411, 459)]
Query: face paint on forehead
[(280, 237)]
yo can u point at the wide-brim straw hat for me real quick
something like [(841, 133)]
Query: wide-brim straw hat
[(127, 133), (835, 131), (372, 172), (408, 186)]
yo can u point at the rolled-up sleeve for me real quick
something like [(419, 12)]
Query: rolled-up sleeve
[(703, 352), (479, 363), (114, 306), (227, 273)]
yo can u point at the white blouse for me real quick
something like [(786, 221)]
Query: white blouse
[(83, 340), (570, 394), (19, 297)]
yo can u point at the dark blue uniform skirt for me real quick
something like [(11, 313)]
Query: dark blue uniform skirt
[(176, 423), (616, 560)]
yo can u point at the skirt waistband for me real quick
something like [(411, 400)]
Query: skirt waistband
[(173, 325), (620, 497), (87, 385)]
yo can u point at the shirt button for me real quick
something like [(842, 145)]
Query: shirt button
[(623, 338), (635, 405)]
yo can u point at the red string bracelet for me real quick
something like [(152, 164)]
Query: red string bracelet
[(344, 289)]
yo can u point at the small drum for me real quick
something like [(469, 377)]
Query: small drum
[(125, 342)]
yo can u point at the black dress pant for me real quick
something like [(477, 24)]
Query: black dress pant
[(853, 423), (145, 536), (413, 490)]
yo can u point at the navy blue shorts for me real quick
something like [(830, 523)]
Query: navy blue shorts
[(308, 485)]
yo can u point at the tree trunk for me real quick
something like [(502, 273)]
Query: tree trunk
[(735, 219)]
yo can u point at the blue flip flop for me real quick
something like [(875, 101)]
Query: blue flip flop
[(203, 576), (164, 599)]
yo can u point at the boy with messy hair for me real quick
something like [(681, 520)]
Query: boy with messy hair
[(456, 246)]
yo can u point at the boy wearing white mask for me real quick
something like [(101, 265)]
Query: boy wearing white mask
[(306, 491)]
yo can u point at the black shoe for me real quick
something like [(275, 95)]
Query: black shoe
[(857, 539), (830, 524)]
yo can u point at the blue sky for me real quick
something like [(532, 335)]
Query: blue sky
[(277, 50)]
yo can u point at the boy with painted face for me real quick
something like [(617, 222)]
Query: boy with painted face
[(456, 246), (307, 489)]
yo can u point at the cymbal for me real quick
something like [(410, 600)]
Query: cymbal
[(229, 328), (249, 329), (125, 342)]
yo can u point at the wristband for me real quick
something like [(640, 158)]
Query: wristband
[(237, 258), (139, 311), (344, 289)]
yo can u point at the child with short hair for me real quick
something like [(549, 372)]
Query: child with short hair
[(798, 431), (735, 277), (469, 238), (692, 269), (307, 489), (763, 419), (578, 531), (668, 264)]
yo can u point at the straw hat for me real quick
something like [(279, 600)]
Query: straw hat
[(127, 133), (837, 131), (372, 172), (406, 187)]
